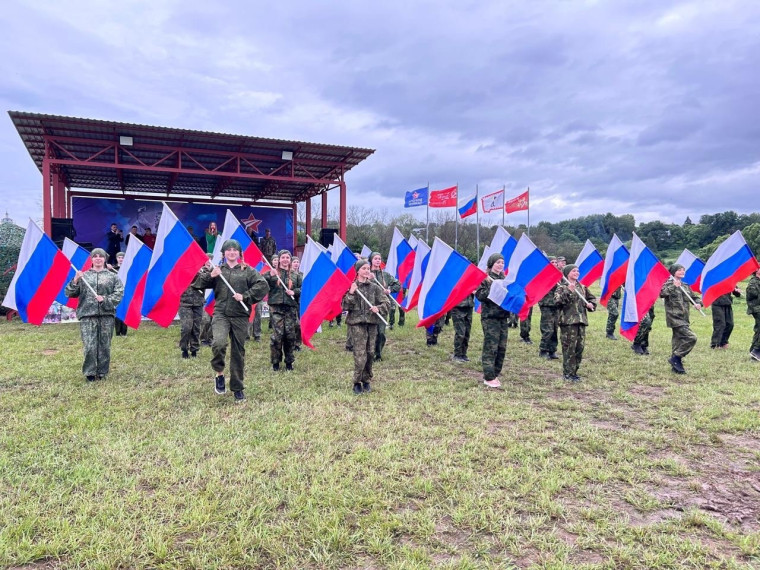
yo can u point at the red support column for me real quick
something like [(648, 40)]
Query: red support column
[(59, 196), (308, 217), (47, 225), (324, 209), (343, 210)]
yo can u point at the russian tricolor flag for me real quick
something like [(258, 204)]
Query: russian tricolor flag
[(503, 243), (693, 266), (323, 287), (41, 271), (400, 262), (81, 260), (174, 263), (529, 278), (449, 278), (644, 278), (615, 267), (469, 208), (590, 264), (731, 262), (133, 273), (343, 257), (421, 258)]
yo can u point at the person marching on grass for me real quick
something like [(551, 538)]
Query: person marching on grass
[(753, 308), (573, 300), (99, 292), (190, 318), (284, 295), (362, 320), (641, 340), (549, 323), (120, 327), (613, 312), (462, 317), (677, 306), (232, 308), (495, 323), (295, 266), (390, 285), (723, 318)]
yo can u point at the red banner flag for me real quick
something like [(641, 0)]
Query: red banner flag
[(446, 198), (521, 202)]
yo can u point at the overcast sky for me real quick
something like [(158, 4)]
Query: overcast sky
[(643, 107)]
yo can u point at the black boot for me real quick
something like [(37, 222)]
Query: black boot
[(637, 349), (185, 354), (676, 365)]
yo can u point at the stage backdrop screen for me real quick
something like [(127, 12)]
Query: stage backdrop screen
[(93, 218)]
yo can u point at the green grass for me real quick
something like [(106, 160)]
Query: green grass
[(633, 468)]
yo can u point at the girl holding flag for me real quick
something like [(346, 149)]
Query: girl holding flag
[(284, 295), (389, 285), (495, 323), (573, 300)]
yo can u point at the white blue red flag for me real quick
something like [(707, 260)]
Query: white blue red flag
[(174, 263), (469, 208), (528, 279), (590, 264), (449, 278), (133, 273), (41, 271), (644, 278), (421, 257), (693, 266), (81, 260), (323, 287), (400, 261), (731, 262), (503, 243), (615, 267), (343, 257)]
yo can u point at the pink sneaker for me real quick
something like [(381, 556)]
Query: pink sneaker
[(492, 383)]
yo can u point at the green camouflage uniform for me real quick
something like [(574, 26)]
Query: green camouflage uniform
[(572, 324), (753, 308), (645, 326), (230, 322), (432, 332), (677, 307), (722, 319), (401, 313), (462, 317), (525, 325), (549, 322), (120, 327), (613, 310), (190, 316), (513, 321), (96, 320), (386, 281), (283, 314), (362, 323), (268, 247), (495, 323)]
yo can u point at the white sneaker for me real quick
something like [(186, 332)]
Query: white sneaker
[(492, 383)]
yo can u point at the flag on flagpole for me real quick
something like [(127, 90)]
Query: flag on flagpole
[(174, 263), (79, 258), (590, 264), (412, 241), (644, 278), (615, 267), (366, 251), (445, 198), (731, 262), (133, 274), (503, 243), (417, 197), (493, 202), (518, 203), (400, 260), (421, 257), (449, 278), (343, 257), (41, 271), (469, 207), (693, 266)]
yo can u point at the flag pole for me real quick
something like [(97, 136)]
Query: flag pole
[(528, 211), (477, 221), (503, 204), (456, 218), (83, 279), (391, 295), (379, 316), (427, 211)]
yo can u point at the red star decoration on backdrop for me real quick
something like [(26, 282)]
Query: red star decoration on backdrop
[(251, 222)]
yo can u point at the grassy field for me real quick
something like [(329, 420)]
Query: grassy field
[(632, 468)]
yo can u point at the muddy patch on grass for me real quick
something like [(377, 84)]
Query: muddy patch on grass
[(647, 392)]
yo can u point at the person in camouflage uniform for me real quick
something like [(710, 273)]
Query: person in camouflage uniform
[(120, 327), (268, 245), (677, 306), (207, 334), (95, 312), (390, 285), (549, 323), (525, 327), (513, 321), (362, 320), (284, 295), (723, 318), (495, 323), (573, 300), (462, 317), (190, 316), (641, 340), (613, 312), (231, 313), (432, 332), (295, 266), (753, 309)]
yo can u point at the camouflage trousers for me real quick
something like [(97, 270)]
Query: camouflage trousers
[(364, 350), (432, 332), (462, 326), (549, 325), (190, 327), (234, 329), (349, 338), (298, 331), (392, 315), (513, 320), (613, 312), (96, 340), (380, 340), (283, 339), (756, 338), (684, 340), (723, 325), (525, 325), (494, 346), (254, 328), (207, 334), (573, 339), (645, 326)]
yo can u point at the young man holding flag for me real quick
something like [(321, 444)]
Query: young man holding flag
[(677, 306), (753, 308)]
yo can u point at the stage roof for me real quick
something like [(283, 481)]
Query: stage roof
[(136, 159)]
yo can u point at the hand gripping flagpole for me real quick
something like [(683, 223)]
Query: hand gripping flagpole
[(233, 291), (379, 316), (566, 280), (391, 295), (94, 292), (688, 296)]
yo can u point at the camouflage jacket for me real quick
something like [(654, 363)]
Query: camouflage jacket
[(358, 309), (277, 295), (193, 296), (548, 301), (467, 303), (106, 283), (572, 309), (387, 281), (677, 304), (753, 296), (244, 279), (489, 309), (617, 293), (268, 247)]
